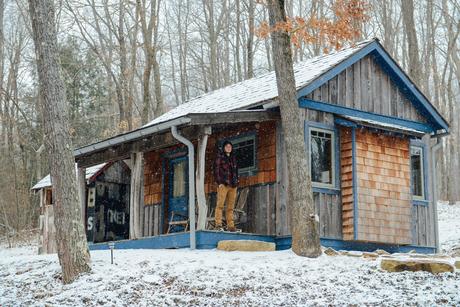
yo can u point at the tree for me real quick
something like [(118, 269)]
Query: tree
[(305, 223), (71, 242), (305, 232)]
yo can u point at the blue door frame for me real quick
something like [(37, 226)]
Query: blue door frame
[(178, 204)]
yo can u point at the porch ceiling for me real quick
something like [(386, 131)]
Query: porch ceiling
[(157, 136)]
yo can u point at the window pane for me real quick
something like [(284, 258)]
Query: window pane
[(245, 156), (416, 160), (321, 158)]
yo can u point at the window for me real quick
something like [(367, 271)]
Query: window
[(322, 160), (244, 148), (417, 172)]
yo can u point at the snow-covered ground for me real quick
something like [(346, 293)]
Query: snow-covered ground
[(211, 277), (449, 225)]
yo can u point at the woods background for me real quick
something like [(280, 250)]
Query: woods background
[(126, 62)]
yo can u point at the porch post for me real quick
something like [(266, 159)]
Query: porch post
[(135, 195), (200, 178), (191, 190), (81, 179)]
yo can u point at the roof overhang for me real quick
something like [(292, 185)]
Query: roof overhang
[(192, 119)]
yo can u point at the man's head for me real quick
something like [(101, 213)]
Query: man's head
[(227, 147)]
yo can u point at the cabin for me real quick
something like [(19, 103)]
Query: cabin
[(370, 138), (106, 194)]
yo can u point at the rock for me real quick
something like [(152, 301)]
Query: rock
[(412, 251), (427, 265), (331, 252), (419, 256), (371, 256), (382, 252), (351, 253), (457, 264), (246, 246)]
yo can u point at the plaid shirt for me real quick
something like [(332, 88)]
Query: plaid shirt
[(226, 169)]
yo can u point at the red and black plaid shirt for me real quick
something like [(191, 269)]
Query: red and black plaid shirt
[(226, 169)]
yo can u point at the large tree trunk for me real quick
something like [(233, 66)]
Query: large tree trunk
[(70, 234), (305, 234), (415, 70)]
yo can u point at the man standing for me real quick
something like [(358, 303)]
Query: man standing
[(226, 176)]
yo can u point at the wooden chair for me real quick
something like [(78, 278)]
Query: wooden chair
[(239, 214), (182, 222)]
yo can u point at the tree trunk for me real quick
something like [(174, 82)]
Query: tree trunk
[(407, 7), (305, 224), (70, 234)]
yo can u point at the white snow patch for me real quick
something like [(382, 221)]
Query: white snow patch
[(449, 225)]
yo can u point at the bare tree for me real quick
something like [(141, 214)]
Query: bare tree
[(72, 248), (305, 231)]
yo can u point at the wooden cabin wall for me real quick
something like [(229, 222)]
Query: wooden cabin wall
[(365, 86), (423, 227), (383, 185), (327, 206), (261, 197)]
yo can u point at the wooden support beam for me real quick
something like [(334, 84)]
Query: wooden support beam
[(200, 174), (124, 150), (81, 179), (135, 203)]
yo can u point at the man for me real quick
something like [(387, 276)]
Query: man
[(226, 176)]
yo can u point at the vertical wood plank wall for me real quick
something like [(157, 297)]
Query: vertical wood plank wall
[(365, 86)]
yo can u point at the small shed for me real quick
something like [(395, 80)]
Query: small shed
[(106, 210), (370, 136)]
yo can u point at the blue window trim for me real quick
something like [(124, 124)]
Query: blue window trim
[(341, 110), (253, 170), (425, 201), (335, 188), (397, 75)]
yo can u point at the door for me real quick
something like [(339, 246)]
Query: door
[(178, 192)]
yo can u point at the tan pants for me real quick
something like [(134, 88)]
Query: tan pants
[(225, 194)]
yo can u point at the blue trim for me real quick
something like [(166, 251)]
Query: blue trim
[(340, 110), (283, 243), (420, 144), (414, 95), (206, 239), (355, 183), (335, 188), (345, 123)]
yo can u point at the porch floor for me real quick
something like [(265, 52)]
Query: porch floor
[(208, 239)]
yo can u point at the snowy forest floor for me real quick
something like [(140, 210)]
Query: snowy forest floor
[(211, 277)]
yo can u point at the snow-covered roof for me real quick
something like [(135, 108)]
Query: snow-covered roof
[(260, 89), (383, 125), (90, 172)]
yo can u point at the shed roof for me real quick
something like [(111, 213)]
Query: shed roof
[(45, 182)]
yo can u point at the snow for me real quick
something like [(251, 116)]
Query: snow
[(380, 124), (210, 277), (449, 225), (46, 181), (260, 89)]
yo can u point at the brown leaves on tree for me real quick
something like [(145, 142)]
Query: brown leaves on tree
[(342, 27)]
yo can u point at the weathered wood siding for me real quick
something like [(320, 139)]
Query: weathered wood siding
[(346, 172), (261, 197), (383, 178), (365, 86), (328, 206), (423, 227)]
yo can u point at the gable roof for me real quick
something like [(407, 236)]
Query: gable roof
[(45, 182), (309, 75)]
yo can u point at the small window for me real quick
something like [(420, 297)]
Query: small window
[(417, 172), (244, 148), (322, 157)]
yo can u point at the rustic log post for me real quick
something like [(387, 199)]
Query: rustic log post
[(200, 178), (81, 180), (135, 195)]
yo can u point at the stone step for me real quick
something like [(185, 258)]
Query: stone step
[(246, 246)]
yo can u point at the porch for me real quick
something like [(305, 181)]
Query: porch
[(208, 239)]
